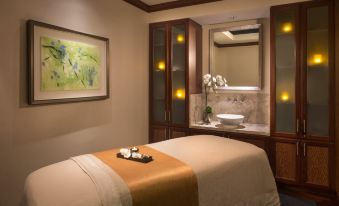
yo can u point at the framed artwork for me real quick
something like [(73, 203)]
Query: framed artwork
[(65, 65)]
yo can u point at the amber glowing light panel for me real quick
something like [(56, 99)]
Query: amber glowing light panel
[(317, 59), (180, 38), (161, 66), (285, 96), (287, 27), (180, 94)]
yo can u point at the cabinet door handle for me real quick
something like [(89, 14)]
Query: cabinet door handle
[(297, 148), (304, 126), (304, 149), (169, 115), (165, 115), (297, 125)]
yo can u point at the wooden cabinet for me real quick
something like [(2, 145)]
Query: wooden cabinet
[(303, 163), (175, 73), (206, 132), (302, 93), (176, 132), (161, 133), (317, 164), (285, 160), (158, 133), (259, 142)]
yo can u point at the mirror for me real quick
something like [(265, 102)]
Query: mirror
[(236, 54)]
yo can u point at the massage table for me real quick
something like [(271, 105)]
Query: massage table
[(228, 172)]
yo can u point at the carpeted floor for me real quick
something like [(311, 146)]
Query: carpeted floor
[(287, 200)]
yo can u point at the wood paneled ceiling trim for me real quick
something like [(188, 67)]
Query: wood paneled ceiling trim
[(167, 5)]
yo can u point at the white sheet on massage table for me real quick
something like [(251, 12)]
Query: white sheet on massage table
[(229, 172)]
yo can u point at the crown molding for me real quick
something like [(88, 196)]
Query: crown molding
[(139, 4), (167, 5)]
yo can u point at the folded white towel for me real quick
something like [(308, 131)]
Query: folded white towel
[(111, 188)]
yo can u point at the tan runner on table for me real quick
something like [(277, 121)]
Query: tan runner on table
[(165, 181)]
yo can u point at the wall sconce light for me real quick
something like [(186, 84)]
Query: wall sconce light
[(285, 96), (161, 65), (317, 59), (180, 93), (287, 27), (180, 38)]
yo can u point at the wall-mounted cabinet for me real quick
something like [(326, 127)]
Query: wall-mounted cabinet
[(175, 73), (302, 93)]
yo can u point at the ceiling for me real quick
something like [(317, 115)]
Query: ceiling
[(221, 38), (236, 35)]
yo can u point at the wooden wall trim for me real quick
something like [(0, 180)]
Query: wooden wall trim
[(178, 4), (139, 4), (167, 5), (336, 73)]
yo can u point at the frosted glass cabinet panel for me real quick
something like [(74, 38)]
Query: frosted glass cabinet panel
[(178, 53), (159, 74), (174, 73), (285, 70), (317, 71), (303, 109)]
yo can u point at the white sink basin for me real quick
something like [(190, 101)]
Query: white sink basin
[(230, 119)]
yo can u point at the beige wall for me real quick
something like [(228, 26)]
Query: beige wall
[(35, 136)]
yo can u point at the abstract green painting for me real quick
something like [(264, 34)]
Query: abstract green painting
[(69, 65), (66, 65)]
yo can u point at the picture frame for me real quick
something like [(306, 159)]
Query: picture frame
[(65, 65)]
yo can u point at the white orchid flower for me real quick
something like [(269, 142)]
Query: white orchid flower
[(213, 83), (207, 76), (220, 83)]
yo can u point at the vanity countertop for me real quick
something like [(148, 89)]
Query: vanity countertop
[(247, 128)]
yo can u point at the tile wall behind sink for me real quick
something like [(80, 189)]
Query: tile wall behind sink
[(254, 106)]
